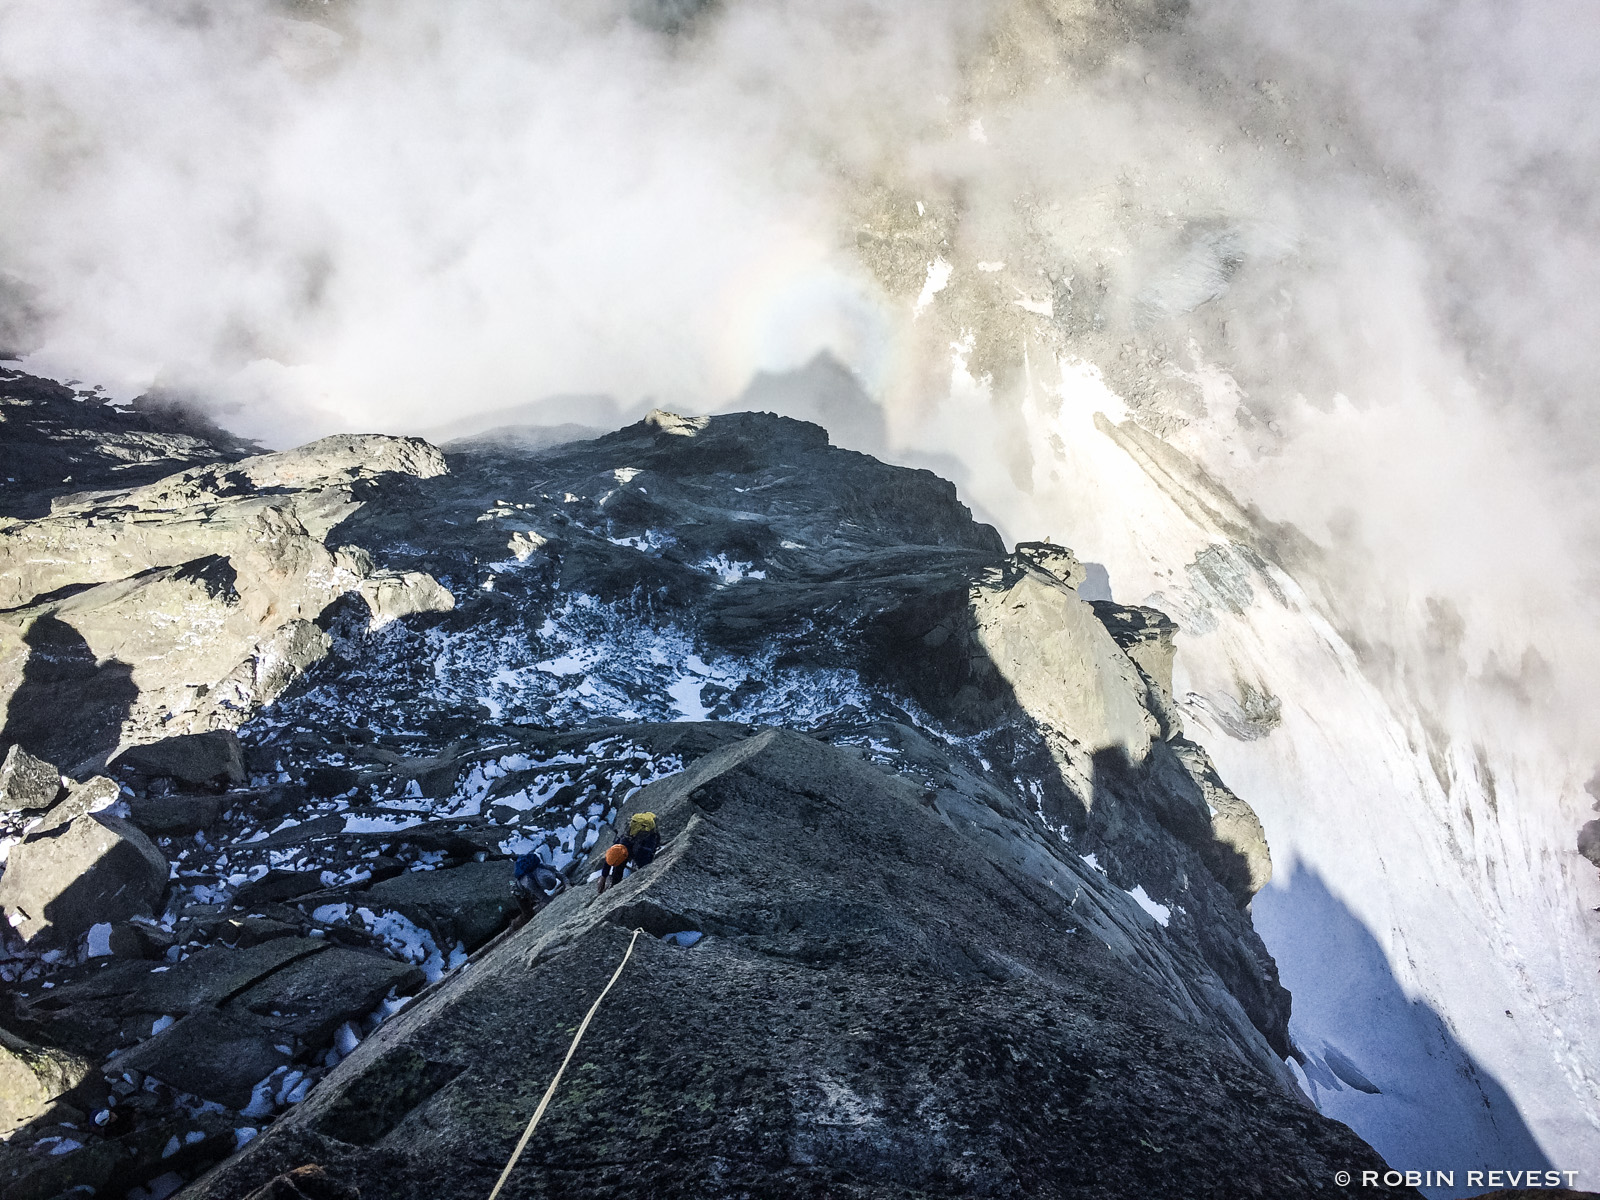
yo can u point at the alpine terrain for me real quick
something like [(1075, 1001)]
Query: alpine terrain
[(946, 902), (1013, 582)]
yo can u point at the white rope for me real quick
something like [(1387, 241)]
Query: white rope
[(571, 1050)]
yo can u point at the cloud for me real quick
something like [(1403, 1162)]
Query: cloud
[(399, 210), (1343, 256)]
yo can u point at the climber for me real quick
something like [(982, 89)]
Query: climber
[(636, 848), (534, 883)]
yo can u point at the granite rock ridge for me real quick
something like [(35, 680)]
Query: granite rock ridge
[(973, 911)]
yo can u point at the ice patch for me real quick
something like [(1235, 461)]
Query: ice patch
[(567, 664), (519, 845), (345, 1038), (159, 1188), (261, 1097), (651, 541), (407, 940)]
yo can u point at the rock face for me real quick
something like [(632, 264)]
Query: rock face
[(182, 605), (975, 913), (1589, 842), (847, 1019)]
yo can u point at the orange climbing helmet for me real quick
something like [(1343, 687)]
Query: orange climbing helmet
[(617, 855)]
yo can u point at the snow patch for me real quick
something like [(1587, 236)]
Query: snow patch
[(98, 940), (729, 571), (1160, 912), (938, 279)]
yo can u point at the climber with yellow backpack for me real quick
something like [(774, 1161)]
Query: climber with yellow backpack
[(636, 848)]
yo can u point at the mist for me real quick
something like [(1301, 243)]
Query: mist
[(1343, 257)]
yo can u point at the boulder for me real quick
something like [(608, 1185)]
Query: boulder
[(391, 594), (470, 903), (215, 1055), (32, 1077), (256, 928), (311, 997), (108, 1005), (44, 1176), (59, 882), (142, 939), (175, 816), (27, 782), (91, 795), (82, 1163), (277, 885), (214, 976), (1589, 842), (195, 758)]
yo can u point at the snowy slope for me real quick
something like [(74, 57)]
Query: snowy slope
[(1428, 910)]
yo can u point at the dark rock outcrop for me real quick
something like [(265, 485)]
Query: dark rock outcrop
[(1589, 842), (57, 440), (175, 816), (876, 1006)]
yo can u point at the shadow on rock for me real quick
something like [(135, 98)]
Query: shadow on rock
[(1072, 700), (70, 707)]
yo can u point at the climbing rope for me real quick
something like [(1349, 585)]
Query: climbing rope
[(571, 1050)]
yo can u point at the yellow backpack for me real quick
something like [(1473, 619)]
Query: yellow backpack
[(641, 823)]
